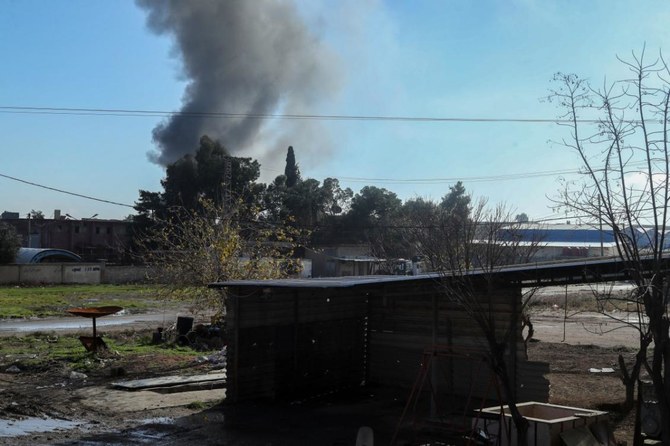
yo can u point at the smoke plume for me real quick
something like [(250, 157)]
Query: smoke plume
[(242, 57)]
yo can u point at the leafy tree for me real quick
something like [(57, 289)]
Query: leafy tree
[(625, 187), (456, 216), (150, 207), (210, 174), (213, 162), (304, 203), (441, 233), (194, 248), (10, 242), (291, 171), (459, 237), (521, 218), (274, 198), (372, 217), (36, 215), (181, 184), (374, 205), (457, 202), (308, 202), (335, 199), (456, 237), (420, 221)]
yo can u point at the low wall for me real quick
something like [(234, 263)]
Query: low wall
[(63, 273), (124, 274)]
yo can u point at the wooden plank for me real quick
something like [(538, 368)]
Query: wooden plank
[(169, 381)]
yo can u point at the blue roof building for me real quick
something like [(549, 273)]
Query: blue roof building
[(41, 255)]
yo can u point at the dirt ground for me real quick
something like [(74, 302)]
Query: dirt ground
[(200, 416)]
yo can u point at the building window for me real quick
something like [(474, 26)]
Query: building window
[(109, 230), (76, 229), (97, 229)]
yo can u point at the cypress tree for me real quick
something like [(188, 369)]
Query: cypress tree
[(291, 171)]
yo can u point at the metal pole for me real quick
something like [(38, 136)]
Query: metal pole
[(600, 221), (95, 338)]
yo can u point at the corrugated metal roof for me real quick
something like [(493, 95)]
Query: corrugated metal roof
[(525, 271), (571, 244), (355, 259), (36, 255), (566, 236), (323, 282)]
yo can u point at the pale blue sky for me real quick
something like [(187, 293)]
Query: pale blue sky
[(454, 59)]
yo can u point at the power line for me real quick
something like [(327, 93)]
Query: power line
[(287, 116), (65, 192), (449, 180), (477, 179)]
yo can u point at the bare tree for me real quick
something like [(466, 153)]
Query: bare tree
[(469, 248), (620, 133), (194, 248)]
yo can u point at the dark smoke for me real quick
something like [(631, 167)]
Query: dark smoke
[(240, 56)]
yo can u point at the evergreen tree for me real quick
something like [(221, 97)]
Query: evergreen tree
[(10, 243), (291, 171)]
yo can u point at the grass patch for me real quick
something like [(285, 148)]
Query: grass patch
[(199, 405), (45, 301), (41, 351)]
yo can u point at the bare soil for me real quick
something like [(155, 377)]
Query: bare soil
[(198, 416)]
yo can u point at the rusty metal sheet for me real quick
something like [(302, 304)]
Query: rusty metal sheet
[(94, 312)]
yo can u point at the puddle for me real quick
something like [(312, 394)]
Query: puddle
[(157, 420), (150, 431), (79, 323), (32, 425)]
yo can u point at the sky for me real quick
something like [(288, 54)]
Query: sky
[(352, 58)]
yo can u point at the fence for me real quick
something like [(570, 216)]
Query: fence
[(70, 273)]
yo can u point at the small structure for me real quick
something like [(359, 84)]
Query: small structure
[(44, 255), (297, 338), (289, 339), (91, 238), (546, 423), (344, 260)]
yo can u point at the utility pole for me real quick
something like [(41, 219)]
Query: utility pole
[(227, 179), (600, 222)]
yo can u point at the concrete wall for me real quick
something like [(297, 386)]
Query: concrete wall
[(81, 273), (41, 273), (84, 273), (9, 274), (124, 274)]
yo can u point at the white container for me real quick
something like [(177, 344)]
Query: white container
[(546, 422)]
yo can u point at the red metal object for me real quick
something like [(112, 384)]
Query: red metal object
[(92, 343), (94, 312)]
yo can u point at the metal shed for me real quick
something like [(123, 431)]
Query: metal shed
[(294, 339)]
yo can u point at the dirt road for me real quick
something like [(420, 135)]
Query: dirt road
[(74, 324), (586, 328)]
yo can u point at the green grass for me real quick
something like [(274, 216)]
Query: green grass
[(44, 301), (40, 351)]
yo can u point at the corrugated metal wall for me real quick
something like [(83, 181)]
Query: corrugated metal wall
[(406, 319), (292, 343)]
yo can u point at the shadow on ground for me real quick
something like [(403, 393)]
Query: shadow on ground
[(332, 420)]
